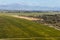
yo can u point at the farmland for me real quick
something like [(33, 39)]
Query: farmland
[(16, 28)]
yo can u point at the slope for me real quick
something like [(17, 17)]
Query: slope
[(11, 27)]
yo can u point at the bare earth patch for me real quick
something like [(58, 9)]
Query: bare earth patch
[(28, 18)]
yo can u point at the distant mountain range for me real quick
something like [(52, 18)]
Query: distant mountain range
[(27, 7)]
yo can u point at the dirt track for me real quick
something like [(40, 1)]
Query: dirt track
[(28, 18)]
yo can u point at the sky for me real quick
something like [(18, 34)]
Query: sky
[(48, 3)]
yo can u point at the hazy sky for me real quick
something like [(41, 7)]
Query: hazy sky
[(49, 3)]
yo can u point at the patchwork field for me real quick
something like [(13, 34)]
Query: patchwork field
[(21, 29)]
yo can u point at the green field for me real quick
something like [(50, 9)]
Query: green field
[(11, 27), (32, 13)]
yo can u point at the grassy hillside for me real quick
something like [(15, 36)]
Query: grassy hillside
[(11, 27)]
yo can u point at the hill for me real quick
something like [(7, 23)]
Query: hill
[(11, 27)]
